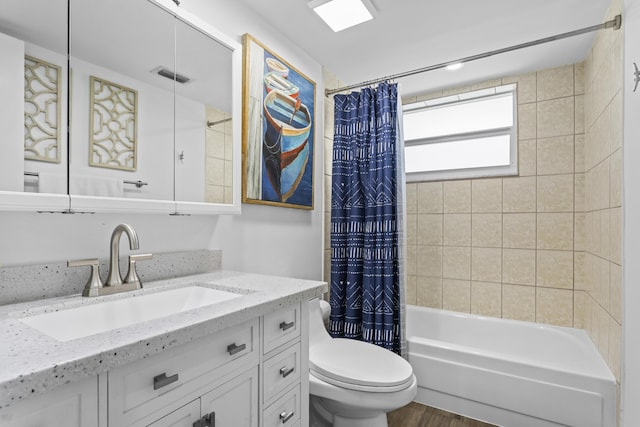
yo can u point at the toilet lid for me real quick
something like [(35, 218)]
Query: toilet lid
[(359, 365)]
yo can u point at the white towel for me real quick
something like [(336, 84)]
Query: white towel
[(96, 186), (52, 183)]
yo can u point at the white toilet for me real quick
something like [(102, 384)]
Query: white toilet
[(353, 383)]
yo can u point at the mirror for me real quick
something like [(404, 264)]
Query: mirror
[(122, 109), (33, 109), (204, 137), (151, 105), (140, 137)]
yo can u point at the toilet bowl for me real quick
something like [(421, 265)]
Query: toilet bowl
[(353, 383)]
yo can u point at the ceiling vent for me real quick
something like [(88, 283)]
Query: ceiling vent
[(165, 72)]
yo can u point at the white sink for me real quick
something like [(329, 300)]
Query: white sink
[(79, 322)]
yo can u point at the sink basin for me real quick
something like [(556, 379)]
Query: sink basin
[(79, 322)]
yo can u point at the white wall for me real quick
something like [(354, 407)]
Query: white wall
[(267, 239), (262, 239), (631, 205)]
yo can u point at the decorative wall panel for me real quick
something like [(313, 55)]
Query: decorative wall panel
[(113, 129), (42, 94)]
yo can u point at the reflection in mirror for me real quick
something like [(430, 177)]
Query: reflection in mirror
[(203, 117), (33, 108), (122, 104)]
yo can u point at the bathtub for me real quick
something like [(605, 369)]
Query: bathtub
[(509, 373)]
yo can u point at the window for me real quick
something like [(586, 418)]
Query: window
[(462, 136)]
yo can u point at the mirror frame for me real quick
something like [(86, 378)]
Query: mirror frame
[(35, 202)]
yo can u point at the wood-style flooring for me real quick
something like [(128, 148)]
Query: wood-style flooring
[(417, 415)]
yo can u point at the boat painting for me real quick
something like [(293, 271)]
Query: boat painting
[(287, 123), (277, 66), (278, 130), (274, 81)]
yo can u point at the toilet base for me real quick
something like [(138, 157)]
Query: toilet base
[(379, 421), (320, 417)]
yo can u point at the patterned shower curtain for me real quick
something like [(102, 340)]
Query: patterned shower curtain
[(367, 217)]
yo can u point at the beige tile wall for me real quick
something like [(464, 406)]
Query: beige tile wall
[(598, 295), (330, 81), (505, 247), (218, 147)]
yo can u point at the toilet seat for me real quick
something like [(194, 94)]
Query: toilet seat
[(360, 366)]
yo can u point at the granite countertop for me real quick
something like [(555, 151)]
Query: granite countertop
[(33, 363)]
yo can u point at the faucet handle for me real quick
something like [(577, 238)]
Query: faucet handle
[(94, 284), (132, 275)]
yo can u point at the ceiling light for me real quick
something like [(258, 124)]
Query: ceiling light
[(341, 14), (455, 66)]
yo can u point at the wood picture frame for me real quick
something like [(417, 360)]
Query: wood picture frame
[(278, 130)]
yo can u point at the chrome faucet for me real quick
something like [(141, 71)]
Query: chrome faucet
[(114, 283), (114, 278)]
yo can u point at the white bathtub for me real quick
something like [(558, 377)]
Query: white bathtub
[(507, 372)]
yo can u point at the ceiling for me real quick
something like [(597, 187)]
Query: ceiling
[(411, 34)]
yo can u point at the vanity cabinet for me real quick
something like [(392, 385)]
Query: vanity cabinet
[(248, 375), (72, 405)]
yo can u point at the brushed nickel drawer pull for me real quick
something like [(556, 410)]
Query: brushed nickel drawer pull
[(233, 348), (284, 416), (284, 325), (286, 372), (163, 380)]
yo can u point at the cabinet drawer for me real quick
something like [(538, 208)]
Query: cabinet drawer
[(145, 386), (281, 327), (284, 411), (280, 372)]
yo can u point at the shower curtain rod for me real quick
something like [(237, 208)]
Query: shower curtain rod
[(615, 24)]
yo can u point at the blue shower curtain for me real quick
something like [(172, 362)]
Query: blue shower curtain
[(367, 277)]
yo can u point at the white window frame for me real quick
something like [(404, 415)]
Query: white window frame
[(471, 172)]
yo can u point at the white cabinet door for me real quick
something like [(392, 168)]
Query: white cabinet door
[(183, 417), (234, 403), (73, 405)]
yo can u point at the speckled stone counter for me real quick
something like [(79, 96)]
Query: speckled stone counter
[(32, 363)]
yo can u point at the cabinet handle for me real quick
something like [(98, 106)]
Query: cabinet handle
[(210, 420), (284, 416), (286, 372), (233, 348), (284, 325), (162, 380)]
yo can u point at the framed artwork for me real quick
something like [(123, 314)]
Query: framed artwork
[(277, 130)]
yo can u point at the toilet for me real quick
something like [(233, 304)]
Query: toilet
[(353, 383)]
